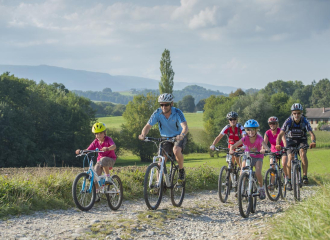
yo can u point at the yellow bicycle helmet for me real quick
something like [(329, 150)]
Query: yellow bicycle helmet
[(98, 127)]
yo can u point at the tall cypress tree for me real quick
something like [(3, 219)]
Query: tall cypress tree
[(166, 82)]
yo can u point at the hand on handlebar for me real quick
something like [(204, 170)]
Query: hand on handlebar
[(263, 151), (78, 151), (179, 137), (212, 147), (141, 137), (278, 147)]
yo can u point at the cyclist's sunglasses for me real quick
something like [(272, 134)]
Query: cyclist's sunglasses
[(296, 113), (232, 119), (272, 123), (165, 105)]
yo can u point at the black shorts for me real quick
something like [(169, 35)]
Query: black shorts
[(295, 143), (168, 146)]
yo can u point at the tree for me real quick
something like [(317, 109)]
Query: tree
[(200, 105), (187, 104), (136, 115), (238, 92), (167, 74), (107, 90), (320, 96)]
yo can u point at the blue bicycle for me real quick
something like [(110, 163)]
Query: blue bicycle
[(84, 189)]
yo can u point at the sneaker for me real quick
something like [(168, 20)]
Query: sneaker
[(262, 194), (182, 175), (107, 181), (305, 180), (288, 186)]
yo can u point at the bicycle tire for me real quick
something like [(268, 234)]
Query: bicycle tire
[(274, 194), (151, 191), (115, 198), (223, 184), (295, 183), (178, 190), (253, 199), (283, 186), (83, 199), (242, 195)]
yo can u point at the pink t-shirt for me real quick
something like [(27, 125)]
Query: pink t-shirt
[(107, 143), (253, 147), (272, 139)]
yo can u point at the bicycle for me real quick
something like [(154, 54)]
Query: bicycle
[(154, 184), (84, 190), (247, 187), (274, 178), (296, 170), (228, 176)]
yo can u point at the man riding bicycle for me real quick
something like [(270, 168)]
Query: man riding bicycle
[(295, 129), (171, 123)]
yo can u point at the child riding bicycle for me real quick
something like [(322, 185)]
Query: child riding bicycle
[(234, 132), (253, 143), (107, 158)]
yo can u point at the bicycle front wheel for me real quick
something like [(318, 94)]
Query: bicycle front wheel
[(152, 188), (282, 183), (223, 184), (242, 195), (295, 183), (253, 200), (272, 184), (83, 192), (115, 193), (178, 189)]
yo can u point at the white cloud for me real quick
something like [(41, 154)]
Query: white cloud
[(204, 18), (234, 64)]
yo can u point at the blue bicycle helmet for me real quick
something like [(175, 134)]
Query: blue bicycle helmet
[(251, 123)]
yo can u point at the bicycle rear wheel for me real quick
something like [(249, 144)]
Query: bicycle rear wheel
[(83, 192), (178, 189), (272, 184), (242, 195), (295, 183), (115, 193), (283, 186), (152, 189), (223, 184)]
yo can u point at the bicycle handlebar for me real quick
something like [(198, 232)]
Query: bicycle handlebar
[(86, 152), (162, 139), (296, 148)]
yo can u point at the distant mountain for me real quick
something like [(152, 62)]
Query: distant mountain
[(94, 81)]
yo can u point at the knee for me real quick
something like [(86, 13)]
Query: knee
[(177, 151)]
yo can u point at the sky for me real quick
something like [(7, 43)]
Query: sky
[(238, 43)]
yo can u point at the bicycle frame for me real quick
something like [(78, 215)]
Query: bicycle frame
[(93, 175), (162, 163), (252, 180)]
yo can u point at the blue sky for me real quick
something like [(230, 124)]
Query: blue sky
[(238, 43)]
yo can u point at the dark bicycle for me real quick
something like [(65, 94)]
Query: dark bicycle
[(228, 176), (154, 184), (296, 170), (274, 178)]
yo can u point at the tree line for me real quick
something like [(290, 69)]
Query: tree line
[(42, 124)]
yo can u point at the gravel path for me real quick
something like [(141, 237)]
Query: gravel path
[(202, 216)]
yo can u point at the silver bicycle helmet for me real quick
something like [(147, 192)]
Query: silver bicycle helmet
[(232, 115), (296, 106), (165, 97)]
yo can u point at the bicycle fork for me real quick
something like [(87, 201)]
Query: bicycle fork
[(162, 170)]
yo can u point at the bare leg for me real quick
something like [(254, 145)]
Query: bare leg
[(304, 161), (178, 155), (258, 173)]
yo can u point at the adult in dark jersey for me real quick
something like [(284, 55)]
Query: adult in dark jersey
[(295, 129), (171, 123), (233, 131)]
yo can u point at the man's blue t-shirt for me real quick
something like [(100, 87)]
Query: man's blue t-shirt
[(298, 130), (170, 127)]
